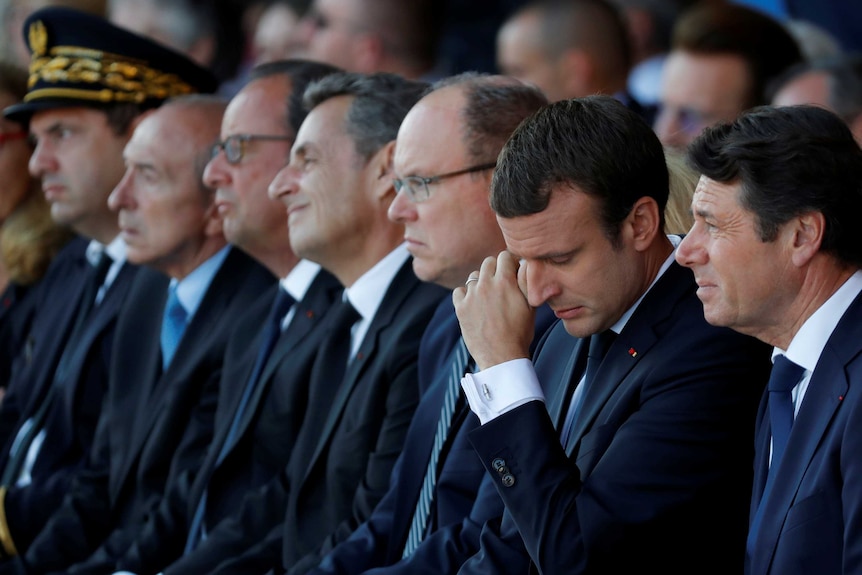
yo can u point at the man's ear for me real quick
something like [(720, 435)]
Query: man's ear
[(807, 231), (214, 225), (381, 171), (643, 222)]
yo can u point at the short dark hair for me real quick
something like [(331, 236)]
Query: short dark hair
[(380, 102), (494, 108), (790, 161), (844, 81), (595, 25), (410, 30), (300, 73), (595, 144), (767, 48)]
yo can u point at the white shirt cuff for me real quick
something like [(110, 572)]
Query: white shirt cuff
[(501, 388)]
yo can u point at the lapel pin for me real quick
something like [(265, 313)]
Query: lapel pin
[(309, 314), (633, 352)]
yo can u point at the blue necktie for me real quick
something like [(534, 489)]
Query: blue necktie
[(269, 336), (457, 367), (784, 377), (173, 325)]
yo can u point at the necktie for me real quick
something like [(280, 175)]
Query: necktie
[(335, 349), (783, 378), (419, 524), (173, 325), (598, 348), (94, 280), (269, 337)]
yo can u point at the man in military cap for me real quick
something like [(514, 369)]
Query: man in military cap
[(90, 84)]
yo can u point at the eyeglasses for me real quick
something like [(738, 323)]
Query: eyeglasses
[(234, 146), (416, 187), (10, 136)]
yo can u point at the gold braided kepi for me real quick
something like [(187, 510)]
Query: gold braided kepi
[(78, 59)]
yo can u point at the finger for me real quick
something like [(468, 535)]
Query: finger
[(507, 265), (522, 277), (458, 295), (488, 269)]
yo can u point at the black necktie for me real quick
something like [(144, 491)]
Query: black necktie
[(784, 377), (269, 336), (598, 348), (457, 367), (94, 280), (335, 349)]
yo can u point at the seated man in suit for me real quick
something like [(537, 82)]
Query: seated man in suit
[(362, 392), (81, 122), (458, 129), (264, 384), (777, 250), (167, 355), (644, 443)]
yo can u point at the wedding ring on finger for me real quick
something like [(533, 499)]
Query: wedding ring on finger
[(470, 279)]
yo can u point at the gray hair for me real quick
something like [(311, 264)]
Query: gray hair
[(380, 102)]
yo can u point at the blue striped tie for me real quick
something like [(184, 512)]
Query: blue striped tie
[(458, 365)]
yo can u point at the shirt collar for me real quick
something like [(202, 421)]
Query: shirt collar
[(617, 328), (192, 288), (297, 282), (808, 343), (367, 292)]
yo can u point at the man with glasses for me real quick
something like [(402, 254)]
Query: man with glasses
[(169, 349), (263, 388), (722, 58), (426, 521), (374, 35), (363, 390)]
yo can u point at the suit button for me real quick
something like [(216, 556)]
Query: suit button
[(508, 480), (498, 464)]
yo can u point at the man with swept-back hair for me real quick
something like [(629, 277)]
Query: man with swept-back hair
[(252, 438), (362, 390), (777, 250), (444, 156), (644, 443)]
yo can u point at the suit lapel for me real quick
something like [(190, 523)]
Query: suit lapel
[(309, 312), (103, 316), (824, 396), (402, 285), (60, 330), (637, 338)]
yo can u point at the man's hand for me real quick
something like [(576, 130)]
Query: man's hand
[(496, 320)]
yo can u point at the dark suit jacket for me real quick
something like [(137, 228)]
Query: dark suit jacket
[(343, 458), (380, 541), (267, 431), (71, 421), (155, 424), (17, 308), (661, 457), (811, 522)]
